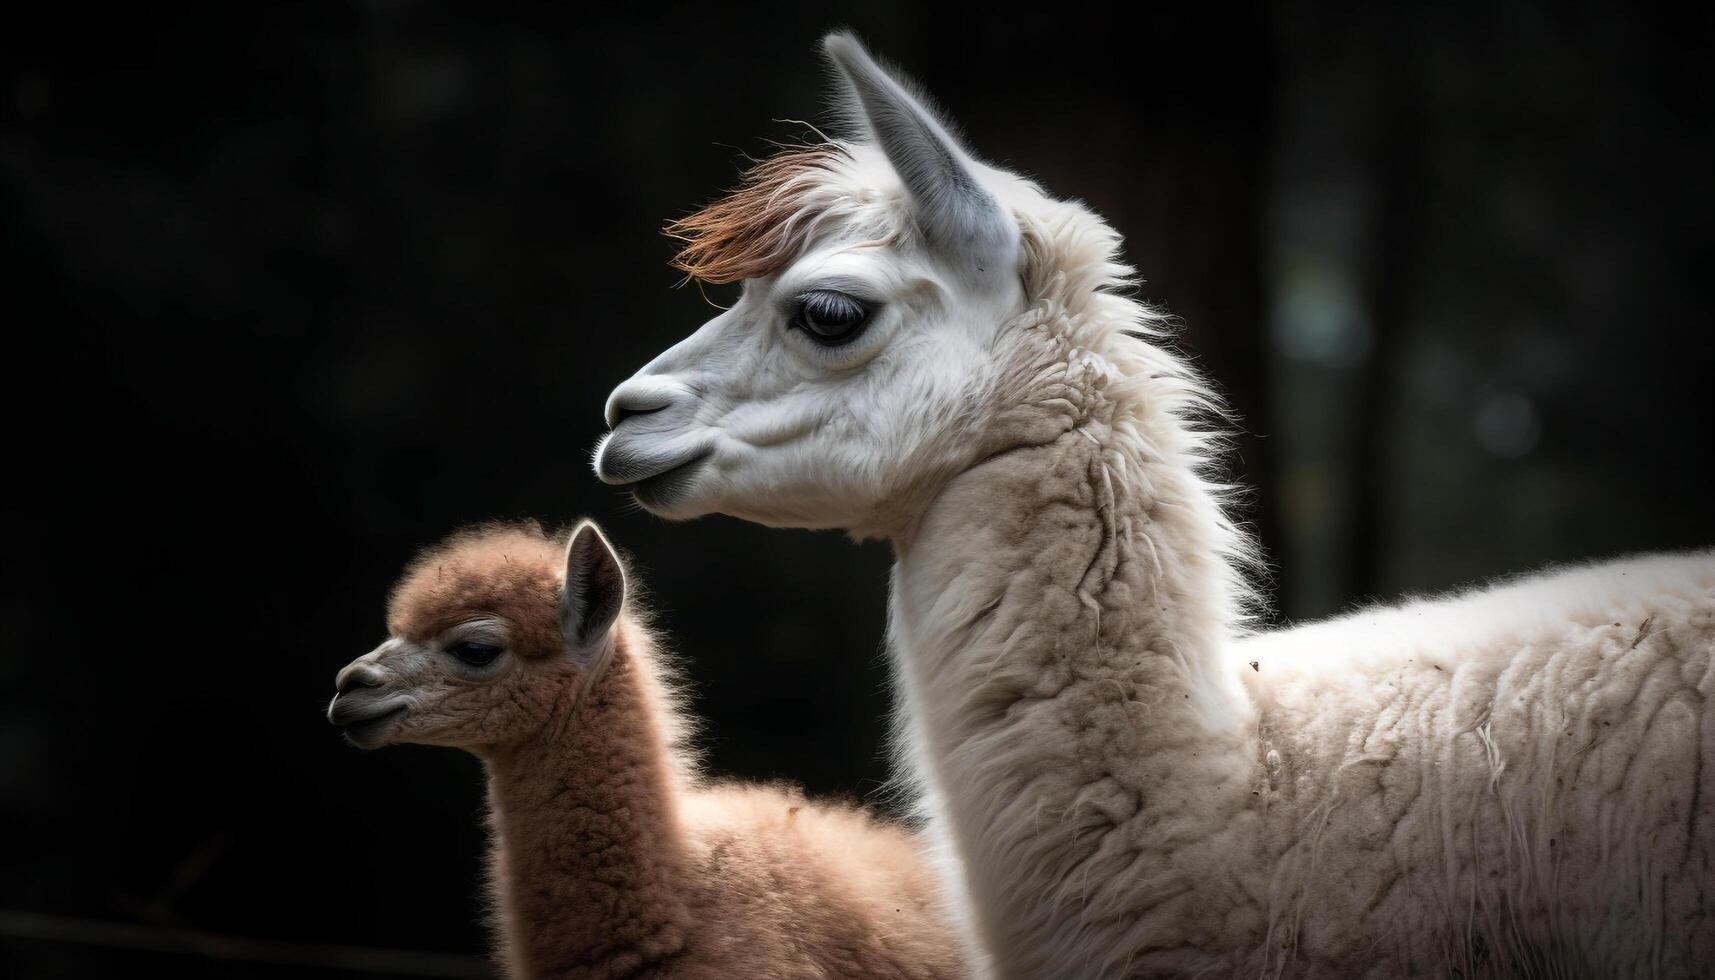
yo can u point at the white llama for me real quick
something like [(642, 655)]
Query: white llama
[(1517, 781)]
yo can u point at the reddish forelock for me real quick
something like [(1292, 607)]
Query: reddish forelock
[(748, 233)]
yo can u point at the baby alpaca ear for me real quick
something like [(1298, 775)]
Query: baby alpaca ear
[(594, 593)]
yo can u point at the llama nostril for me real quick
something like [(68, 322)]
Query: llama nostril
[(630, 409), (622, 412), (355, 677), (642, 396)]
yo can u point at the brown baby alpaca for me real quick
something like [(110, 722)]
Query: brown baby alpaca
[(611, 857)]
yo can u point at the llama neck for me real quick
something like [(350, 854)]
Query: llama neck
[(586, 850), (1061, 615)]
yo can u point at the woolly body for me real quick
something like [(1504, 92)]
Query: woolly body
[(1402, 791), (611, 856), (1501, 783)]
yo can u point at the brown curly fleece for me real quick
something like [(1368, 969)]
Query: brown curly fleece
[(612, 858)]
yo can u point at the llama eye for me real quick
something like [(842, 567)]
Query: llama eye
[(475, 654), (830, 318)]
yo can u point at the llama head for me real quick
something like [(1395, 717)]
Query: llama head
[(878, 274), (494, 631)]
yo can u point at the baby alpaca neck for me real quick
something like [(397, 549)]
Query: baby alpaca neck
[(586, 848)]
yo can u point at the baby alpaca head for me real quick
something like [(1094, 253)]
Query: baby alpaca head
[(492, 632)]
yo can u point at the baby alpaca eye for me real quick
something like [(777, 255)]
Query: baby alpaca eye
[(475, 654), (830, 318)]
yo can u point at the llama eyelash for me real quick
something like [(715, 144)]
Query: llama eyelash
[(477, 631)]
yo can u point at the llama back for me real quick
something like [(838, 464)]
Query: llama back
[(1528, 754)]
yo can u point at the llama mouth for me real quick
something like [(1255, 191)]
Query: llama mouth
[(622, 459), (667, 486), (651, 480), (366, 732)]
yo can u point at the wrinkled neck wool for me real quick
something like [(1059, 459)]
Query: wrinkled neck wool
[(1062, 615)]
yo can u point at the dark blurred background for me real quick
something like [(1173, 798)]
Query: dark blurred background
[(295, 289)]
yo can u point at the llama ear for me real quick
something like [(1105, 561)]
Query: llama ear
[(594, 592), (957, 213)]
